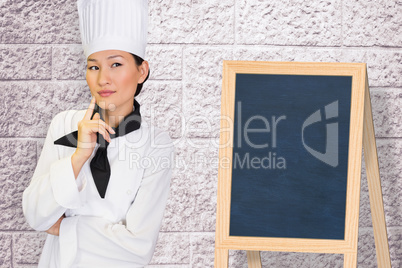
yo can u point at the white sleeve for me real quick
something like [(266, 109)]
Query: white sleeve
[(129, 244), (53, 188)]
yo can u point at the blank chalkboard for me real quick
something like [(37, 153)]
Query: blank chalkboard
[(291, 139), (279, 188)]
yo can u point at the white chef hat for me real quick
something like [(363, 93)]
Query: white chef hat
[(113, 24)]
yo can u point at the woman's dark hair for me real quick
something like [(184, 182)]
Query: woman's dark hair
[(138, 62)]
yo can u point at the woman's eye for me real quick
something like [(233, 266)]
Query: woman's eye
[(93, 68), (116, 64)]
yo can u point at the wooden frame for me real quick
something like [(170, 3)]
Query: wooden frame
[(360, 109)]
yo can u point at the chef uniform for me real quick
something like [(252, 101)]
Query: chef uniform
[(118, 228)]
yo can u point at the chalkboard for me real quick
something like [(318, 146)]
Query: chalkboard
[(292, 134), (289, 179)]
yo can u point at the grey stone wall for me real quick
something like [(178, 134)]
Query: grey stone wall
[(42, 71)]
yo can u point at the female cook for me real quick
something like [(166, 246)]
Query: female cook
[(102, 180)]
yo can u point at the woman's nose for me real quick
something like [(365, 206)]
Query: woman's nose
[(103, 77)]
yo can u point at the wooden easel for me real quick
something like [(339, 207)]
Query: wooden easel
[(253, 246), (375, 193)]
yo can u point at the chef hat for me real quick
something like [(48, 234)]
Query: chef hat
[(113, 24)]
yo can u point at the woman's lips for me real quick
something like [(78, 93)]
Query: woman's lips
[(106, 93)]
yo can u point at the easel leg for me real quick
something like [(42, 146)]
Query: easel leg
[(350, 260), (221, 258), (374, 185), (253, 259)]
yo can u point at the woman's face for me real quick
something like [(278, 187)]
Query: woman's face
[(112, 77)]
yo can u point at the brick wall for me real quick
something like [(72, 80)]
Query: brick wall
[(42, 72)]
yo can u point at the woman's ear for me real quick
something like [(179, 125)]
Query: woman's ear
[(144, 69)]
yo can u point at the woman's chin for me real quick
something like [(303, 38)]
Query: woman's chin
[(106, 105)]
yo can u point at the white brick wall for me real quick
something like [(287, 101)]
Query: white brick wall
[(42, 72)]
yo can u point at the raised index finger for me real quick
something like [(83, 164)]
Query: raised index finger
[(90, 110)]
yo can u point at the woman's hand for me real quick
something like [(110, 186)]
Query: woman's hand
[(55, 229), (87, 130)]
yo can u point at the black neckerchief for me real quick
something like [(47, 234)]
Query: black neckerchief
[(100, 167)]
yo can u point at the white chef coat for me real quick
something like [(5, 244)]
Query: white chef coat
[(118, 231)]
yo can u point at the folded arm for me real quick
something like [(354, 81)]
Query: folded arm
[(53, 188)]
